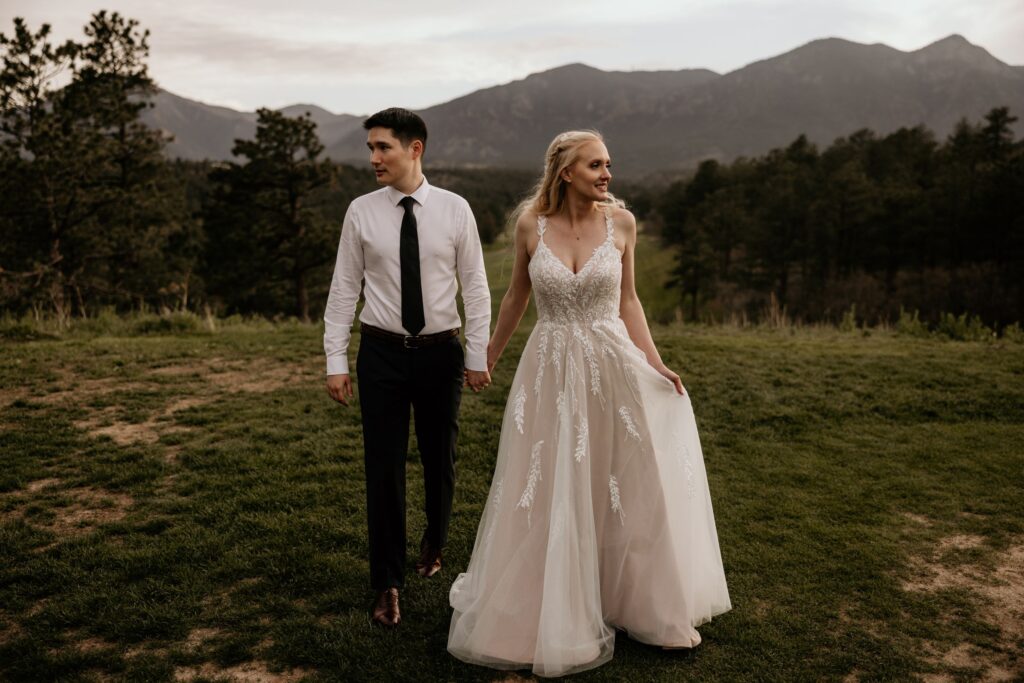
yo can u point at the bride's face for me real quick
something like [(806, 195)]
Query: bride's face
[(591, 173)]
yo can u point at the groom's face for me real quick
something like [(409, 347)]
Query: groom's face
[(392, 162)]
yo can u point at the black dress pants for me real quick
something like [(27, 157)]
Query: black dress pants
[(393, 380)]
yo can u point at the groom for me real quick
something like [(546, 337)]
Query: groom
[(402, 246)]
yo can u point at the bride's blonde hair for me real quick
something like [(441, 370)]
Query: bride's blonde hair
[(548, 196)]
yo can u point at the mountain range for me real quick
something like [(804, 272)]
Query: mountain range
[(665, 120)]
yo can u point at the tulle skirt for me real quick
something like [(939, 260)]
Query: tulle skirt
[(599, 515)]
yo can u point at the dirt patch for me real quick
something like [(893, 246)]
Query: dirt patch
[(918, 519), (128, 433), (189, 369), (79, 390), (257, 375), (145, 649), (90, 508), (220, 376), (249, 672), (960, 542), (69, 388), (123, 433), (37, 608), (9, 630), (261, 376), (999, 587), (184, 404), (171, 455), (966, 657), (94, 645), (197, 637), (75, 512), (40, 484)]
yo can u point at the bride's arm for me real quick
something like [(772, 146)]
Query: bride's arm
[(517, 298), (631, 310)]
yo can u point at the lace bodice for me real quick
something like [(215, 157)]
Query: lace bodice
[(589, 296)]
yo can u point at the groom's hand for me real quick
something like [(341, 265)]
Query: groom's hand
[(339, 387), (478, 379)]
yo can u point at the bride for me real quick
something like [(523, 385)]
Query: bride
[(599, 515)]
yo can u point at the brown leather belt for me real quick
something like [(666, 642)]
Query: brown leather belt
[(417, 341)]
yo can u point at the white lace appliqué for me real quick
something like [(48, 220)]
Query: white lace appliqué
[(519, 408), (560, 404), (588, 295), (627, 420), (591, 357), (572, 374), (559, 350), (495, 503), (582, 438), (613, 489), (542, 359), (526, 500), (630, 372)]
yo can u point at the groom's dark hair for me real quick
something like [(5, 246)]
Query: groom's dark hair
[(404, 125)]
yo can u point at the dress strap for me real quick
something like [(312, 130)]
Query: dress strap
[(542, 225), (608, 225)]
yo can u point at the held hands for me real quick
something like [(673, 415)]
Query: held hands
[(481, 379), (477, 379), (339, 387), (672, 377)]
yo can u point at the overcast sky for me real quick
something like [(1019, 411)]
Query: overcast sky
[(357, 58)]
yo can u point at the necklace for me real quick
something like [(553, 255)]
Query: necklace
[(575, 230)]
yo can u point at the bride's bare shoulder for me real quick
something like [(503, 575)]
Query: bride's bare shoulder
[(527, 221), (526, 230), (624, 223), (624, 217)]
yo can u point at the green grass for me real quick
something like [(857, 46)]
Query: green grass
[(195, 503)]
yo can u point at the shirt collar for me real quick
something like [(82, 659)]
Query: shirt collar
[(420, 195)]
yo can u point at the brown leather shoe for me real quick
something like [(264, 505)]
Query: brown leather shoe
[(385, 609), (430, 561)]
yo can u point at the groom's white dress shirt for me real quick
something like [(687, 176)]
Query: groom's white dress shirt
[(368, 259)]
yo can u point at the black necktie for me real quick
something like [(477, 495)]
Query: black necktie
[(412, 290)]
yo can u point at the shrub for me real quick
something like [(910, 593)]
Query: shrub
[(19, 331), (963, 328), (1014, 334), (849, 321), (910, 325), (175, 323)]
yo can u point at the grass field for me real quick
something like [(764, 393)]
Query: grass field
[(191, 507)]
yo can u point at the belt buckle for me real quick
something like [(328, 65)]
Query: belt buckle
[(405, 342)]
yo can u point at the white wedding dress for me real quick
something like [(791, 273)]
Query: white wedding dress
[(599, 515)]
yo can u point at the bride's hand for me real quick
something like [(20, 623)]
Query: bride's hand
[(672, 377)]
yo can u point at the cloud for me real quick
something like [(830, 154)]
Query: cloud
[(358, 57)]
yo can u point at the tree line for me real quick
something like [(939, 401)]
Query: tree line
[(880, 222), (93, 215)]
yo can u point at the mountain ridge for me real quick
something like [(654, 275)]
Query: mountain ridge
[(666, 119)]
